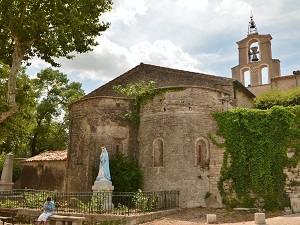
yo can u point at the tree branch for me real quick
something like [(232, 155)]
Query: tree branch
[(22, 15)]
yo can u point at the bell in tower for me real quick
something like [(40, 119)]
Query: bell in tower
[(253, 53)]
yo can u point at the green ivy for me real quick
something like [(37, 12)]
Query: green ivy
[(140, 93), (256, 143), (277, 97)]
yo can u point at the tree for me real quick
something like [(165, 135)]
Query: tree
[(48, 29), (42, 120), (55, 94), (16, 130)]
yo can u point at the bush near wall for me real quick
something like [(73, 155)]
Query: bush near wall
[(125, 172)]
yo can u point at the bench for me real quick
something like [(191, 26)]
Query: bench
[(65, 220), (8, 215)]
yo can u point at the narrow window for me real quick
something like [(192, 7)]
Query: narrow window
[(265, 75), (158, 153), (247, 81), (202, 154), (117, 147)]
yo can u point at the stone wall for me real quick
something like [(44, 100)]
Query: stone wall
[(93, 123), (282, 83), (180, 120), (43, 175), (293, 177)]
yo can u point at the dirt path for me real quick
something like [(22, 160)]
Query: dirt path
[(197, 216)]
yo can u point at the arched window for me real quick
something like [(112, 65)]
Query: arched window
[(247, 81), (117, 147), (265, 75), (202, 153), (254, 54), (158, 153)]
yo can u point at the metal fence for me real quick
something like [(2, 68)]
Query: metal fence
[(102, 202)]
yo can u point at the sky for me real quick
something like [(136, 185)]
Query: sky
[(192, 35)]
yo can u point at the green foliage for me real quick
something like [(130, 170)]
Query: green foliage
[(96, 203), (17, 129), (47, 30), (207, 195), (140, 93), (8, 203), (42, 120), (50, 29), (256, 144), (125, 172), (135, 91), (144, 202), (54, 94), (17, 170), (35, 200), (277, 97), (2, 159)]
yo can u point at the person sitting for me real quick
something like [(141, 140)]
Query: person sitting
[(48, 210)]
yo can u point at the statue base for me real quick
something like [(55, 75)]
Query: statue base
[(6, 186), (104, 188)]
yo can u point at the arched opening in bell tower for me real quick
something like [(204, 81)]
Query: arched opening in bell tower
[(245, 79), (265, 75), (254, 54)]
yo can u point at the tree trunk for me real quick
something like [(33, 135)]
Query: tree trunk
[(17, 55), (33, 144)]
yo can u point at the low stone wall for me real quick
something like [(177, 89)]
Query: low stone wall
[(92, 218)]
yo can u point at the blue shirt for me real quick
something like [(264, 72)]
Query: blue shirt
[(49, 207)]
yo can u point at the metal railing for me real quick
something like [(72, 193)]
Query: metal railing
[(102, 202)]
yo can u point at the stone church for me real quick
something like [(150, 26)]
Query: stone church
[(171, 143)]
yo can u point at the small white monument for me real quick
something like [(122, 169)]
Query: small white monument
[(103, 184), (6, 183)]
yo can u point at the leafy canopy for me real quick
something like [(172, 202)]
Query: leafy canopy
[(47, 29), (16, 130), (50, 29), (42, 120)]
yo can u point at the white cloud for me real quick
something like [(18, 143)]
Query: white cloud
[(126, 11), (109, 59), (193, 5), (234, 8), (164, 53)]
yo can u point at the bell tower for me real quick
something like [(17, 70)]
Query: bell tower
[(255, 56)]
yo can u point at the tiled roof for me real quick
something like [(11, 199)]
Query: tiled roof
[(164, 77), (49, 156)]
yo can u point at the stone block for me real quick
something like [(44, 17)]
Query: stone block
[(260, 218), (211, 218)]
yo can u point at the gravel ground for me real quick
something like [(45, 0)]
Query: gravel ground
[(197, 216)]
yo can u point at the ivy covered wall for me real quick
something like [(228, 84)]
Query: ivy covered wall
[(256, 143)]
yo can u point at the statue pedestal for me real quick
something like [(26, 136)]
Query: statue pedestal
[(104, 188), (6, 186), (6, 183)]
